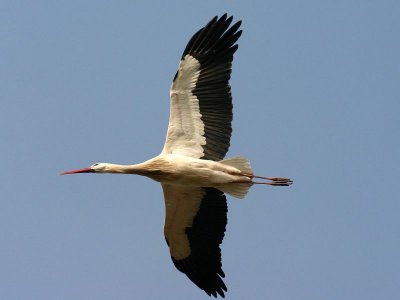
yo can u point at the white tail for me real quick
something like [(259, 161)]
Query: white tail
[(240, 162), (238, 190)]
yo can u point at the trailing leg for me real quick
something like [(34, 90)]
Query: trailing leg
[(275, 181)]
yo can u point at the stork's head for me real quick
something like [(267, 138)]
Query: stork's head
[(95, 168)]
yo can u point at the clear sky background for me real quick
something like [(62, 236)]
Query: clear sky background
[(316, 99)]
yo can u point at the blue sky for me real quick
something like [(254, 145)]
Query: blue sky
[(316, 99)]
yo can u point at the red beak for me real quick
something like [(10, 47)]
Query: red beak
[(85, 170)]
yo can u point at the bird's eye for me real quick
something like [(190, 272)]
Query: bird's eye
[(95, 165)]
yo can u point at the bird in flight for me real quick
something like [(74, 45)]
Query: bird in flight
[(191, 167)]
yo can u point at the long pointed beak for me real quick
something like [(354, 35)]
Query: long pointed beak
[(85, 170)]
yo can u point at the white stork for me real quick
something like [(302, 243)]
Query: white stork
[(191, 169)]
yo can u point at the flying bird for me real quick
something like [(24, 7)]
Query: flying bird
[(191, 167)]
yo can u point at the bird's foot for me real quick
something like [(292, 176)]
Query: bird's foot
[(275, 181)]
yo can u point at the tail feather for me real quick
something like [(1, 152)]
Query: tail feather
[(238, 190), (239, 162)]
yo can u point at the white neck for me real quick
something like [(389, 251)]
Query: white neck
[(153, 168), (140, 169)]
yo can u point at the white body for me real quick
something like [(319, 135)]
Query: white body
[(196, 172), (233, 175)]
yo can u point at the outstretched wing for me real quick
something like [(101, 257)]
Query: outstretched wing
[(194, 228), (201, 101)]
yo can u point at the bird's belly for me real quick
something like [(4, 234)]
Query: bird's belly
[(197, 172)]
